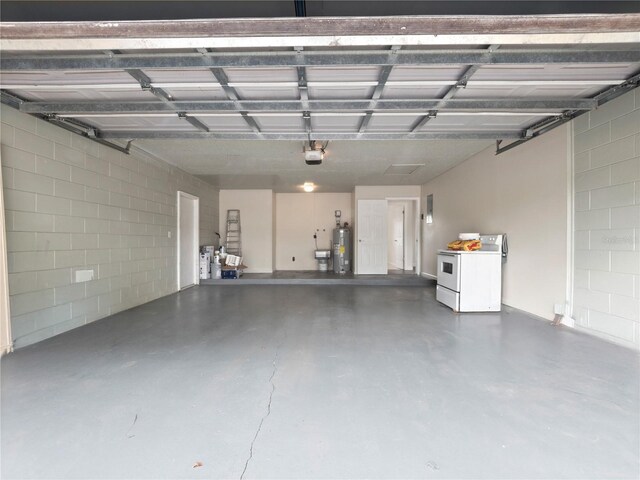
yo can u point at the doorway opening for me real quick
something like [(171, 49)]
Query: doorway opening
[(402, 236), (378, 221), (188, 240)]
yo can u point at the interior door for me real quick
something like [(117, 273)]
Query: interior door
[(372, 237), (188, 240), (396, 235)]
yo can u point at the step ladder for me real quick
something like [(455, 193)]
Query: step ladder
[(234, 233)]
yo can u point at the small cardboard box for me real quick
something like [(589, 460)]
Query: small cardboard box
[(230, 267)]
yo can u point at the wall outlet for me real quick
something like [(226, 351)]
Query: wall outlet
[(84, 275), (169, 234), (558, 309)]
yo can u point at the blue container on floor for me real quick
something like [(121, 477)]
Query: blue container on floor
[(229, 274)]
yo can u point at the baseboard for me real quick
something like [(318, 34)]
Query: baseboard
[(574, 326), (428, 275), (568, 321), (607, 338)]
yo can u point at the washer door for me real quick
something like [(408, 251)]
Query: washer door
[(449, 271)]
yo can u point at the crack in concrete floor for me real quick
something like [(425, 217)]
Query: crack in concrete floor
[(264, 417)]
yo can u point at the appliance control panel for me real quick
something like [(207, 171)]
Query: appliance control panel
[(491, 242)]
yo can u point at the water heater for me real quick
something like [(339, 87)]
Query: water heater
[(341, 250)]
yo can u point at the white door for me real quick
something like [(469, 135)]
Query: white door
[(372, 237), (188, 228), (396, 235)]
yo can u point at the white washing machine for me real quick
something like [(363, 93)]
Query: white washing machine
[(472, 281)]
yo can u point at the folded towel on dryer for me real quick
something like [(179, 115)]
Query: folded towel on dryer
[(464, 245)]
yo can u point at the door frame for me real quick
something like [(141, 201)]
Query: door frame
[(196, 237), (6, 339), (417, 229)]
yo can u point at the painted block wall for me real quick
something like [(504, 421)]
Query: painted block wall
[(606, 297), (72, 204), (299, 215), (522, 192), (257, 223)]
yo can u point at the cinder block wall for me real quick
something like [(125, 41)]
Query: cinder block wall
[(72, 204), (607, 220)]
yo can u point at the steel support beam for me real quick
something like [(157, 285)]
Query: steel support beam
[(303, 87), (460, 135), (193, 121), (72, 125), (307, 125), (400, 105), (11, 100), (545, 125), (451, 92), (232, 95), (164, 96), (377, 93), (364, 123), (435, 25), (315, 58), (145, 84)]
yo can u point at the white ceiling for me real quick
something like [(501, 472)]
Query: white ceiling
[(279, 165)]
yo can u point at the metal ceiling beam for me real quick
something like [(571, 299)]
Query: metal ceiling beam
[(164, 96), (193, 121), (72, 125), (315, 58), (364, 123), (460, 135), (451, 92), (251, 41), (11, 100), (232, 95), (307, 125), (377, 92), (417, 105), (223, 80), (145, 83), (546, 125), (303, 86), (326, 26)]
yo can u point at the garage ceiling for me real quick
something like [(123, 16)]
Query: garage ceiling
[(298, 80)]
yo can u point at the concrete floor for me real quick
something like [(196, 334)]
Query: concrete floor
[(319, 382)]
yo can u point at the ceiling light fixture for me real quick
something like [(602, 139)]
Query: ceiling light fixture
[(308, 187)]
